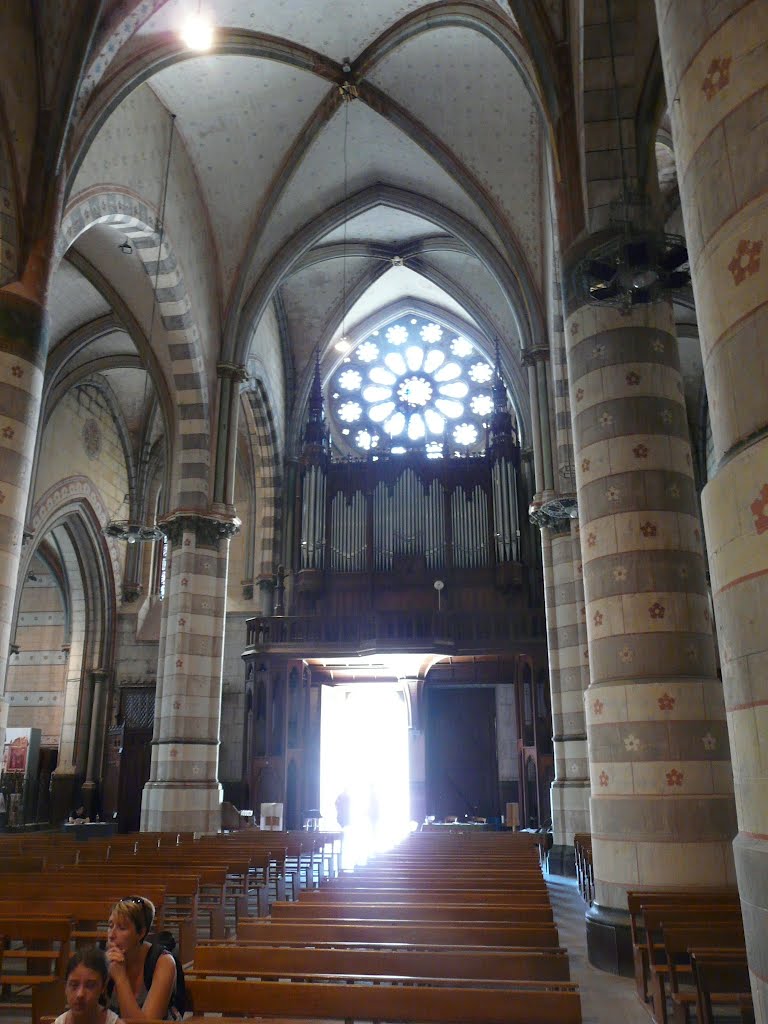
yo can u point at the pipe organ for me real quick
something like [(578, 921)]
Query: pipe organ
[(378, 516)]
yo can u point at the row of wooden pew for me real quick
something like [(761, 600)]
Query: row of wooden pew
[(454, 928), (56, 894)]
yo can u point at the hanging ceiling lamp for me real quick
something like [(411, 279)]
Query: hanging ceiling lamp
[(197, 31), (348, 92), (129, 530), (640, 264)]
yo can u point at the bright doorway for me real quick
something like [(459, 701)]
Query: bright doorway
[(364, 766)]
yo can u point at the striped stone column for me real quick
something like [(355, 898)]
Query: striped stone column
[(23, 346), (183, 792), (715, 59), (662, 807), (569, 677)]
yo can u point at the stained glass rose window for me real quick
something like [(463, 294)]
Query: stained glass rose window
[(414, 384)]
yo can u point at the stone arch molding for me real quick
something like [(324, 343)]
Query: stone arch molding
[(64, 497), (268, 485), (134, 217)]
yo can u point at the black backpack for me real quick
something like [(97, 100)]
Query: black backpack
[(164, 942)]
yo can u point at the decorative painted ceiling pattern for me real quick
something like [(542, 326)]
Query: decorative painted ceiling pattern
[(485, 115), (377, 152), (337, 30), (238, 117), (73, 302)]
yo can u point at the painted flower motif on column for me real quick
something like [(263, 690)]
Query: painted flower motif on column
[(598, 351), (666, 416), (173, 753), (666, 703), (592, 540), (579, 394), (613, 494), (179, 663), (574, 329), (632, 742), (746, 262), (709, 741), (674, 491), (606, 419), (2, 497), (620, 573), (640, 451), (604, 778), (717, 77), (597, 618), (177, 705), (657, 610), (675, 777), (648, 529), (182, 622), (185, 582), (657, 345), (585, 654), (626, 654), (597, 707), (187, 542), (8, 433), (632, 378), (585, 464), (759, 508), (17, 371)]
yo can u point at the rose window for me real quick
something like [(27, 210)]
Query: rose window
[(413, 384)]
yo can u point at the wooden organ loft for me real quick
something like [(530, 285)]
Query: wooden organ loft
[(400, 554)]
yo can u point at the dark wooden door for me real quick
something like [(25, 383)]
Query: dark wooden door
[(135, 762), (461, 767)]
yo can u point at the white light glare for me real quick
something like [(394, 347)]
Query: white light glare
[(343, 344), (197, 32)]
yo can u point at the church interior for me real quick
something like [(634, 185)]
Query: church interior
[(384, 424)]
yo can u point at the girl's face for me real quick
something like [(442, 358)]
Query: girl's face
[(84, 988), (121, 933)]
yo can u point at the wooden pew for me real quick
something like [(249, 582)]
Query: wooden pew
[(388, 910), (444, 1004), (678, 940), (436, 933), (43, 943), (638, 899), (655, 919), (250, 961), (721, 977)]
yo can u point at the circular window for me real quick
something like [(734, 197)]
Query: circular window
[(413, 384)]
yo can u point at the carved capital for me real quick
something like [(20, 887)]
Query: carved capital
[(209, 529), (234, 371), (534, 354)]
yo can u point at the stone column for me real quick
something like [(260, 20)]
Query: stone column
[(183, 792), (715, 60), (95, 738), (569, 677), (23, 347), (417, 761), (662, 807)]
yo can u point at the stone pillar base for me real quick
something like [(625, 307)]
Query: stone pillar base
[(609, 940), (561, 860), (181, 807)]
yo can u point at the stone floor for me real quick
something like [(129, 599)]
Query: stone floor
[(605, 998)]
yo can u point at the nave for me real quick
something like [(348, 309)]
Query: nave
[(458, 926)]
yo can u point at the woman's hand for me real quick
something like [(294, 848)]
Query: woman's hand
[(116, 962)]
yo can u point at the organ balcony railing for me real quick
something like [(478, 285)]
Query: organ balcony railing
[(399, 631)]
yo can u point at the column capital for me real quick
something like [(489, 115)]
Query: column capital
[(232, 371), (209, 528), (534, 354)]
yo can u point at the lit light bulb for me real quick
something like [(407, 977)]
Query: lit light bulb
[(197, 32), (343, 344)]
